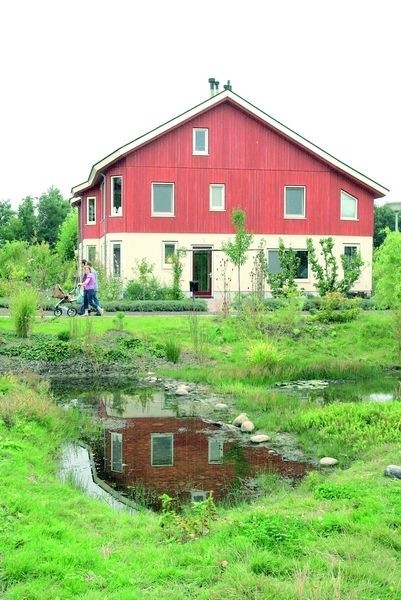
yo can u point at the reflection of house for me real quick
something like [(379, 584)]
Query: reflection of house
[(177, 185), (183, 456)]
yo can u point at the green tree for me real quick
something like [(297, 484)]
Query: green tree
[(52, 211), (326, 271), (67, 241), (387, 272), (27, 220), (7, 216), (237, 250), (384, 218), (13, 260), (282, 284)]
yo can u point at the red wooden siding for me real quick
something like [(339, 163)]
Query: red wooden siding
[(252, 160)]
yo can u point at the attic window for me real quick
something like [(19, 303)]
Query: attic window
[(200, 141), (349, 206)]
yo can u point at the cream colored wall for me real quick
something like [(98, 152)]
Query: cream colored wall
[(134, 247)]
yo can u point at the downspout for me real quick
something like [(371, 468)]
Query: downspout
[(104, 222)]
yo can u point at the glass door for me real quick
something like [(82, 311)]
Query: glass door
[(202, 271)]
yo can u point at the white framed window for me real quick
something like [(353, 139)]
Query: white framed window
[(163, 199), (217, 196), (116, 195), (349, 206), (200, 141), (116, 458), (162, 449), (273, 262), (215, 454), (91, 253), (351, 250), (169, 249), (294, 202), (91, 210), (116, 258)]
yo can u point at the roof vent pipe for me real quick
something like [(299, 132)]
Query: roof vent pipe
[(212, 81), (228, 86)]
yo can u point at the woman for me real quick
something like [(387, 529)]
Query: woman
[(89, 285)]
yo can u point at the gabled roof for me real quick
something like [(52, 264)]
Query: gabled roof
[(236, 100)]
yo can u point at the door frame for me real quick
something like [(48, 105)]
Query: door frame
[(204, 248)]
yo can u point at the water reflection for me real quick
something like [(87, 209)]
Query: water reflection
[(155, 444)]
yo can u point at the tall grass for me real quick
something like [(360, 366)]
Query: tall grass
[(23, 306)]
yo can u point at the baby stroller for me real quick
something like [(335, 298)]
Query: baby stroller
[(66, 299)]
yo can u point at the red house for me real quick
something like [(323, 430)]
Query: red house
[(176, 187)]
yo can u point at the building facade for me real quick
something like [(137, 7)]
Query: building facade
[(176, 187)]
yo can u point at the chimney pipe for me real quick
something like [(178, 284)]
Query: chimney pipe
[(228, 86), (216, 86), (212, 81)]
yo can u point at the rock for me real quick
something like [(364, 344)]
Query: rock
[(261, 437), (220, 406), (182, 390), (327, 461), (240, 419), (393, 471), (247, 426)]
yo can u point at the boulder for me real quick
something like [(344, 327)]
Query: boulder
[(328, 461), (247, 426), (393, 471), (240, 419), (260, 438)]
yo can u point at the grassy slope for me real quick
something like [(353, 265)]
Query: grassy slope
[(336, 536)]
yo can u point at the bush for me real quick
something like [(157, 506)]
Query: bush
[(23, 306), (336, 308)]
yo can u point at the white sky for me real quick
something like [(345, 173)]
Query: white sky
[(81, 78)]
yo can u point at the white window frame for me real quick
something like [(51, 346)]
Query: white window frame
[(165, 263), (112, 245), (204, 152), (116, 437), (218, 186), (89, 200), (356, 246), (115, 212), (163, 214), (211, 451), (289, 215), (198, 496), (345, 195), (160, 435)]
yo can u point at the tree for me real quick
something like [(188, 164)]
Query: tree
[(326, 274), (52, 211), (67, 242), (237, 250), (384, 218), (282, 284), (27, 220), (387, 272), (7, 216)]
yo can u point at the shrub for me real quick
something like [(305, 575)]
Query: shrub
[(336, 308), (23, 306), (173, 350), (264, 356)]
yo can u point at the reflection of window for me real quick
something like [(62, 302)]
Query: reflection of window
[(163, 199), (116, 195), (217, 196), (91, 210), (200, 141), (275, 267), (162, 449), (116, 452), (294, 202), (349, 206), (215, 451), (169, 249), (91, 253), (116, 257)]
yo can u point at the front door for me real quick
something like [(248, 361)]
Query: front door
[(202, 271)]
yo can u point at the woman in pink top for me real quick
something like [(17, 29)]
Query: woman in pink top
[(89, 285)]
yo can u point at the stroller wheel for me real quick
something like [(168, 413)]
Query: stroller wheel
[(71, 312), (58, 312)]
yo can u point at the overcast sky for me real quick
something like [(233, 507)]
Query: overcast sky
[(81, 78)]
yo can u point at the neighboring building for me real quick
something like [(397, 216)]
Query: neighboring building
[(177, 185)]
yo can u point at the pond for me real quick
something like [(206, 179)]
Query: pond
[(156, 441)]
